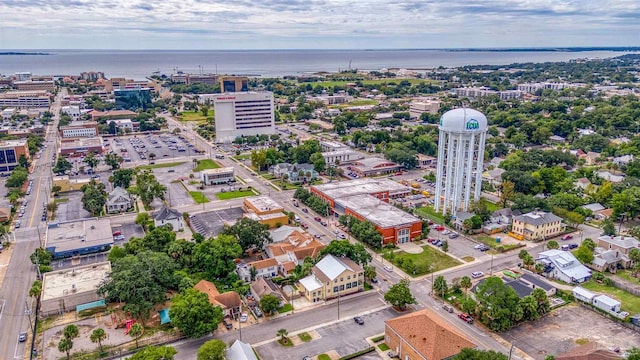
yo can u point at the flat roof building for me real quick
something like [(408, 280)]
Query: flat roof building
[(244, 114), (229, 84), (48, 85), (25, 99), (80, 146), (79, 129), (265, 210), (78, 237), (217, 176), (10, 153), (63, 290)]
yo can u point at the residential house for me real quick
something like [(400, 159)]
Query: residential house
[(502, 216), (261, 287), (493, 177), (119, 200), (266, 268), (168, 216), (606, 303), (563, 266), (589, 351), (536, 226), (603, 214), (557, 139), (332, 277), (591, 158), (240, 351), (606, 175), (583, 183), (294, 173), (593, 207), (623, 160), (229, 302), (582, 294), (424, 335), (536, 282), (613, 251), (292, 248), (461, 216)]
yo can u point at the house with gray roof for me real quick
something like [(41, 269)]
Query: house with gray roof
[(166, 216), (537, 226), (563, 266), (332, 277), (295, 173), (119, 200), (240, 351)]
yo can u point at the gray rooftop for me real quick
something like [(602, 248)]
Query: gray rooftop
[(538, 282), (538, 218), (69, 235), (377, 211), (263, 203), (166, 213), (340, 189), (625, 242), (86, 278)]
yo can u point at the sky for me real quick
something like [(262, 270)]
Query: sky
[(316, 24)]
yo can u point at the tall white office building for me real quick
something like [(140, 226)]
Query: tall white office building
[(243, 114), (460, 156)]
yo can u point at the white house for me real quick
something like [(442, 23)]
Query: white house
[(583, 294), (119, 200), (563, 266), (240, 351), (168, 216), (266, 268), (606, 303)]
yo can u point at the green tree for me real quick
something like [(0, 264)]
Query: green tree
[(91, 160), (94, 197), (507, 191), (65, 345), (70, 331), (135, 332), (36, 289), (251, 234), (633, 354), (343, 248), (584, 254), (589, 243), (193, 314), (523, 254), (143, 219), (17, 178), (62, 166), (269, 303), (283, 334), (113, 160), (97, 335), (465, 283), (445, 246), (529, 307), (552, 244), (608, 228), (148, 188), (216, 257), (473, 354), (212, 350), (370, 272), (122, 178), (154, 352), (399, 295), (440, 286), (499, 305)]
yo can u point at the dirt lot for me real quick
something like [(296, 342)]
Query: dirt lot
[(558, 332)]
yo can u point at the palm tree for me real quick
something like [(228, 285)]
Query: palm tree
[(97, 336), (65, 345), (283, 334), (465, 283), (70, 332), (135, 332)]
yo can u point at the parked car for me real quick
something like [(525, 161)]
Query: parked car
[(358, 320), (440, 228), (567, 237), (446, 232), (244, 317), (388, 268), (374, 280), (324, 223), (227, 324), (304, 226), (22, 337), (454, 235), (477, 274), (305, 210), (342, 236), (466, 317), (317, 218), (573, 246), (447, 308), (258, 312)]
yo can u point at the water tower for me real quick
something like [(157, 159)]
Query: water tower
[(460, 156)]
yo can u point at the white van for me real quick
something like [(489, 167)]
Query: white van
[(297, 218)]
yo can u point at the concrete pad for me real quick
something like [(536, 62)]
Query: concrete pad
[(410, 248)]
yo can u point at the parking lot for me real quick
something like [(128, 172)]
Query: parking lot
[(71, 209), (210, 223), (164, 146), (561, 330)]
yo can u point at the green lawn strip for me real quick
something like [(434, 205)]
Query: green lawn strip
[(630, 302), (242, 157), (206, 164), (422, 261), (285, 344), (324, 357), (161, 165), (626, 275), (305, 337), (490, 206), (285, 308), (234, 194), (198, 197), (383, 347), (195, 116), (429, 213)]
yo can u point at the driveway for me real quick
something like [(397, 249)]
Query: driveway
[(72, 208)]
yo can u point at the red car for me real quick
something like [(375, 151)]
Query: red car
[(317, 218), (304, 226), (466, 317), (567, 237), (440, 228)]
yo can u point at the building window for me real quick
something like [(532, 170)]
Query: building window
[(341, 287), (348, 285), (354, 284), (341, 279), (349, 277), (335, 289)]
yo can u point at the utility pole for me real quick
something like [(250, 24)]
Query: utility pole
[(491, 268)]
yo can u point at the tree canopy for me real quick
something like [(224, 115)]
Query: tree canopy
[(399, 295), (193, 314), (251, 234)]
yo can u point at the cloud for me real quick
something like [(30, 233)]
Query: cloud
[(319, 23)]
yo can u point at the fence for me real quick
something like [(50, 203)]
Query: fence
[(620, 285)]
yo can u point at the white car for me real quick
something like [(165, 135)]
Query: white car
[(446, 232), (477, 274), (244, 317), (478, 246), (388, 268)]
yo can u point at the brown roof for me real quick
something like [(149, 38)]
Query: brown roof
[(606, 212), (226, 300), (263, 264), (288, 266), (229, 300), (429, 334), (208, 288), (590, 351)]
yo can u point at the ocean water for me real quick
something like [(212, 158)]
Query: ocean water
[(138, 64)]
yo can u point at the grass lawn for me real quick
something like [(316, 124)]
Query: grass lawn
[(429, 213), (60, 200), (160, 166), (198, 197), (324, 357), (206, 164), (285, 308), (630, 302), (383, 347), (491, 242), (242, 157), (288, 342), (234, 194), (626, 275), (268, 176), (305, 337), (195, 116), (490, 206), (418, 264)]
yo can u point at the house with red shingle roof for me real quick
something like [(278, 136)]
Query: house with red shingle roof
[(230, 301)]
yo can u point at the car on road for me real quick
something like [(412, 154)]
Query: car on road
[(304, 226), (454, 235), (447, 308), (244, 317), (477, 274), (388, 268), (466, 317), (306, 358), (324, 223), (22, 337), (342, 236), (305, 210), (374, 280), (567, 237), (358, 320), (317, 218)]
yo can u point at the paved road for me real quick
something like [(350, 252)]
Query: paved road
[(14, 299)]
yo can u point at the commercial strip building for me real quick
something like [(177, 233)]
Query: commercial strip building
[(424, 335), (243, 114), (78, 237), (63, 290), (264, 210), (78, 129), (73, 147), (217, 176), (25, 99), (367, 200), (47, 85), (373, 166), (339, 157), (10, 153)]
